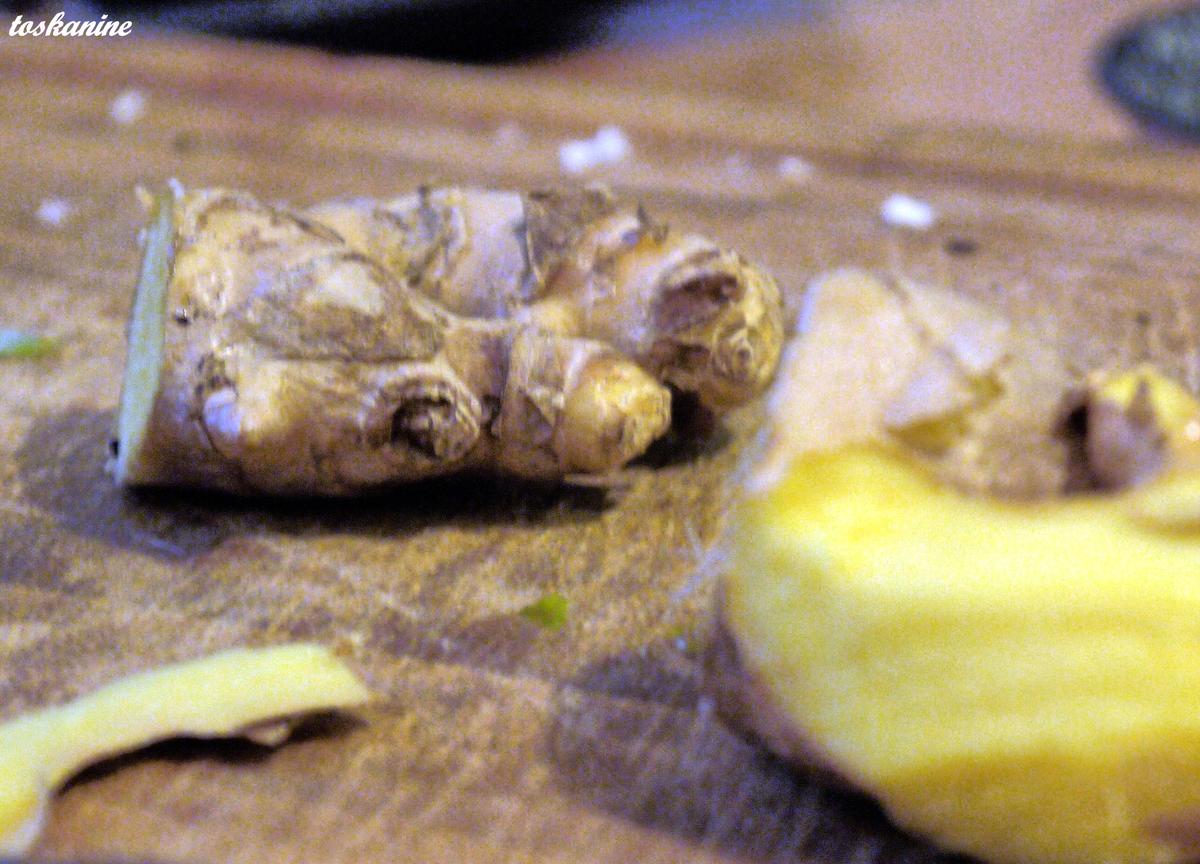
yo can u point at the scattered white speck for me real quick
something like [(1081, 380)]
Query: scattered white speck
[(903, 211), (611, 143), (737, 165), (794, 169), (607, 147), (575, 157), (681, 645), (510, 136), (127, 107), (54, 211), (175, 186), (221, 416)]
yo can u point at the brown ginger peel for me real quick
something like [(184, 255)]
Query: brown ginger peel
[(881, 358), (1009, 669), (361, 343), (251, 693), (1144, 432)]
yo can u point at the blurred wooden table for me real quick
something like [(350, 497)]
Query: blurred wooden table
[(493, 741), (876, 64)]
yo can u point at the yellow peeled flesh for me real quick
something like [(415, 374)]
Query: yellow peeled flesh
[(225, 694), (1018, 681), (1173, 501)]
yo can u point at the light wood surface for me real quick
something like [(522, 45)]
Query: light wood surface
[(873, 64), (492, 740)]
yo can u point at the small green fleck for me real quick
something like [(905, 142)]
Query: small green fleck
[(549, 612), (684, 639), (20, 345)]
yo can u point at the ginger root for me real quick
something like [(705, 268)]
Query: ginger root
[(251, 693), (361, 343), (1008, 668)]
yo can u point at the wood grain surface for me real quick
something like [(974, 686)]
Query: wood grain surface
[(492, 740), (870, 64)]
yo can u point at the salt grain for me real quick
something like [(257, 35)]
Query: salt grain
[(903, 211), (127, 107), (611, 143), (794, 169), (737, 165), (54, 212), (607, 147), (510, 136)]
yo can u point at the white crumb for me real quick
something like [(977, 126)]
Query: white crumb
[(737, 165), (176, 187), (611, 143), (794, 169), (510, 136), (681, 645), (576, 156), (904, 211), (54, 212), (127, 107), (607, 147)]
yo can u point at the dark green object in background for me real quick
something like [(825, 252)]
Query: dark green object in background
[(1153, 69)]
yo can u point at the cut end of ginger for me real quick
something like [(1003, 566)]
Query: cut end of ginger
[(252, 693), (146, 331)]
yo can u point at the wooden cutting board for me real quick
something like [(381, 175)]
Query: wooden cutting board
[(492, 740)]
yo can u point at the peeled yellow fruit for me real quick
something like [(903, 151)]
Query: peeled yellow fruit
[(1018, 680), (1013, 678)]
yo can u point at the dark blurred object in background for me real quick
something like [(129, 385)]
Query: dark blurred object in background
[(1153, 68), (480, 31)]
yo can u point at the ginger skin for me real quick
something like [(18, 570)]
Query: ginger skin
[(358, 344)]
